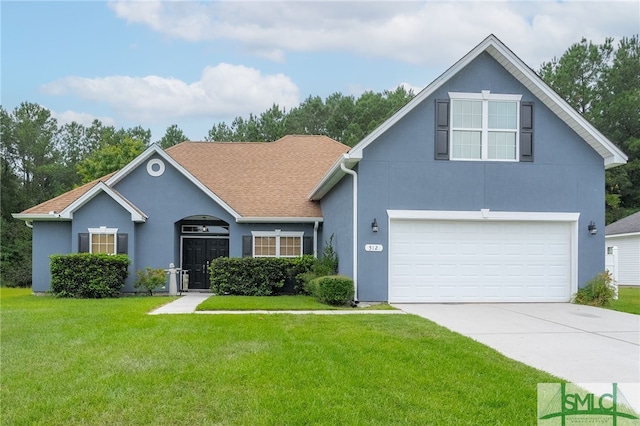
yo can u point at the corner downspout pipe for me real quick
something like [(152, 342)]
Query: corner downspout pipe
[(355, 228), (315, 239)]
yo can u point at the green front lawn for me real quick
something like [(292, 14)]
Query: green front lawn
[(72, 362), (628, 300), (271, 303)]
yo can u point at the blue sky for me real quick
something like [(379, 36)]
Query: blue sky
[(194, 64)]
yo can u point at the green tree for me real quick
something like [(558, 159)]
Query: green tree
[(220, 132), (603, 84), (340, 117), (110, 158), (271, 124), (577, 74), (173, 136), (29, 136)]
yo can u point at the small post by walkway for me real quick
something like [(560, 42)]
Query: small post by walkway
[(173, 283)]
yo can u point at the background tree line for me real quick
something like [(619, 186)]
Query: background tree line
[(41, 159)]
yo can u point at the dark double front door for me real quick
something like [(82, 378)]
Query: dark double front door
[(196, 255)]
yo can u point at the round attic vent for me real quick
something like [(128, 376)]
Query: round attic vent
[(155, 167)]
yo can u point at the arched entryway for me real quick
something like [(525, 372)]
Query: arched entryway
[(202, 239)]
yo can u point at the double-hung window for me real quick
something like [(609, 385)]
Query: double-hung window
[(484, 126), (103, 240), (277, 243)]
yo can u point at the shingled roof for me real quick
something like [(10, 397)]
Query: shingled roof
[(259, 179), (627, 225), (61, 202), (255, 179)]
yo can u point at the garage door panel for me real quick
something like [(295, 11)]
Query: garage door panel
[(458, 261)]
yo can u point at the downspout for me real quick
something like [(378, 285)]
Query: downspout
[(29, 223), (315, 239), (355, 228)]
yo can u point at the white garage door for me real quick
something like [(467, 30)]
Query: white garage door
[(479, 261)]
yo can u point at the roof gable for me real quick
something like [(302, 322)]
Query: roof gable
[(611, 154), (64, 206), (156, 150), (136, 214)]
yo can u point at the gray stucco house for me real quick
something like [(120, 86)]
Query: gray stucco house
[(481, 189)]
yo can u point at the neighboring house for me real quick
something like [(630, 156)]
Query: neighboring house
[(481, 189), (625, 235)]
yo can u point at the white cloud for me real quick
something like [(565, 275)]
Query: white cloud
[(67, 117), (223, 91), (434, 33), (408, 87)]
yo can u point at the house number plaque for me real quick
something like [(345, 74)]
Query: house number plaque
[(373, 247)]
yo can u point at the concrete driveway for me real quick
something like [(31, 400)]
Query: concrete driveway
[(581, 344)]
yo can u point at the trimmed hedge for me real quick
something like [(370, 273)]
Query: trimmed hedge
[(88, 275), (262, 276), (332, 289)]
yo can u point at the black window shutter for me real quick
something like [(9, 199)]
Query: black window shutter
[(247, 246), (307, 245), (526, 131), (123, 243), (83, 243), (442, 129)]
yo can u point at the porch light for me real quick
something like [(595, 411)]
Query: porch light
[(592, 228), (374, 225)]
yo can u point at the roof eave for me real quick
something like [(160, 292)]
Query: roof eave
[(136, 214), (612, 155), (259, 219), (53, 217), (627, 234), (333, 176)]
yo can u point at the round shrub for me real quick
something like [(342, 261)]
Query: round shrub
[(333, 289)]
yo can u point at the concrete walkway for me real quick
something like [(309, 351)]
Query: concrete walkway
[(187, 305), (184, 305)]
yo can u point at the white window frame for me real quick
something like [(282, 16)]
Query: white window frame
[(103, 230), (485, 96), (277, 234)]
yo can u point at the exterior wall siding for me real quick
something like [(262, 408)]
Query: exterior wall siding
[(337, 211), (628, 258), (102, 210), (48, 238), (398, 171)]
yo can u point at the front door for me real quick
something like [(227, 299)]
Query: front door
[(196, 255)]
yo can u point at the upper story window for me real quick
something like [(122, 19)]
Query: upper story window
[(277, 243), (103, 240), (484, 126)]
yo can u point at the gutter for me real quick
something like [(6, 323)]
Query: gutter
[(355, 228), (260, 219), (315, 239)]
